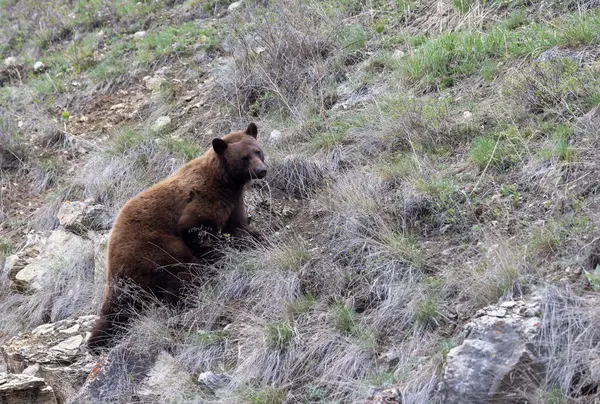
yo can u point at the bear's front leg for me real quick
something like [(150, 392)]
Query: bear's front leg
[(237, 226), (200, 234)]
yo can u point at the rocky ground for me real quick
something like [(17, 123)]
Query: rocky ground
[(432, 200)]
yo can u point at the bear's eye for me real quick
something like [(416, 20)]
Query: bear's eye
[(259, 154)]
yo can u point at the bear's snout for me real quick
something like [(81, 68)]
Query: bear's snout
[(260, 173)]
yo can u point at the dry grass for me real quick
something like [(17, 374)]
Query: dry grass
[(409, 214), (69, 290), (568, 341), (280, 52), (296, 176), (130, 164)]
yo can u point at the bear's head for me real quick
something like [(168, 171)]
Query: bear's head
[(240, 155)]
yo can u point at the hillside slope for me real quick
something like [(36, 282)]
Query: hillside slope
[(426, 159)]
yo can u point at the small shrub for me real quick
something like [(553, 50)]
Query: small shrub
[(494, 152), (546, 240), (344, 318), (462, 5), (279, 335), (297, 176), (556, 88), (426, 313), (291, 256), (404, 248), (594, 279), (300, 306), (206, 338), (265, 395), (6, 248), (383, 379)]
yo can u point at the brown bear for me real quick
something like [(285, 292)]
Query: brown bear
[(167, 227)]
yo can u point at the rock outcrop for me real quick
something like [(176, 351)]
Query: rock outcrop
[(54, 354), (25, 389), (130, 372), (81, 240), (79, 217), (497, 360), (61, 249)]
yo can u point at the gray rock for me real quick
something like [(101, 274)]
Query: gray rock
[(16, 262), (496, 360), (164, 372), (140, 34), (32, 370), (100, 240), (509, 304), (387, 396), (25, 389), (131, 368), (79, 217), (154, 83), (11, 61), (234, 6), (398, 54), (39, 67), (274, 136), (214, 381), (55, 353), (162, 122), (579, 57), (62, 249)]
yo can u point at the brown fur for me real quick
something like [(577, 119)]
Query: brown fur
[(155, 236)]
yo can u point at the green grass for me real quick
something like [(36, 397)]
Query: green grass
[(7, 94), (462, 6), (446, 345), (302, 305), (173, 40), (560, 138), (126, 140), (396, 168), (279, 335), (6, 248), (344, 318), (426, 313), (291, 256), (448, 57), (404, 248), (383, 379), (314, 393), (353, 37), (206, 338), (516, 19), (265, 395), (500, 150), (47, 85), (188, 149)]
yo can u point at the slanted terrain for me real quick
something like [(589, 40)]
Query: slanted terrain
[(426, 159)]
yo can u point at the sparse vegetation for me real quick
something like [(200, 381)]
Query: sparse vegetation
[(424, 163)]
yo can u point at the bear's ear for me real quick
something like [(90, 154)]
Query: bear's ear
[(219, 145), (252, 130)]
